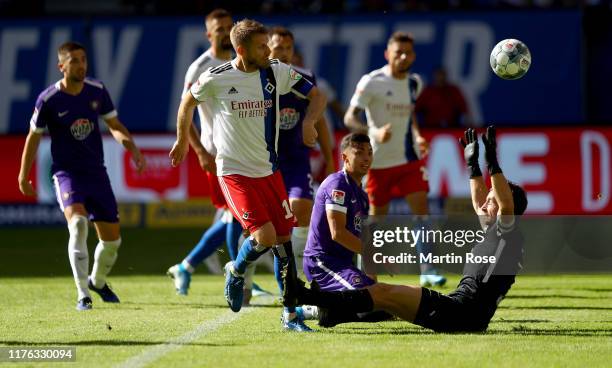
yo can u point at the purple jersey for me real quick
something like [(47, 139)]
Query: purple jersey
[(291, 148), (338, 192), (72, 121)]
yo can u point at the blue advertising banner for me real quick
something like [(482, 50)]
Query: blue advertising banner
[(142, 61)]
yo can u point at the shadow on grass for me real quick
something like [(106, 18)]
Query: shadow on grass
[(521, 321), (555, 307), (140, 305), (109, 343), (525, 296), (516, 330), (576, 288)]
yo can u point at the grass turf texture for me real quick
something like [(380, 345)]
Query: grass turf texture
[(555, 320)]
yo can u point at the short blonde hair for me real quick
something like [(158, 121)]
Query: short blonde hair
[(243, 31)]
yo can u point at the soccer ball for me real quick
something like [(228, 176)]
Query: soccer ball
[(510, 59)]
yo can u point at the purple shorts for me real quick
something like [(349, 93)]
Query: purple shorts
[(91, 190), (298, 181), (335, 276)]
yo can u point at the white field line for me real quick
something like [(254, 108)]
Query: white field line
[(157, 351)]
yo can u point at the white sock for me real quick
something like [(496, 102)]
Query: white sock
[(310, 311), (105, 257), (299, 236), (78, 254), (187, 266)]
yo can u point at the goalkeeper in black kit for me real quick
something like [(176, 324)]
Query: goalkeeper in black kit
[(470, 307)]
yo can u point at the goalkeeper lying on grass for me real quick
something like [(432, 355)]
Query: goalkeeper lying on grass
[(472, 305)]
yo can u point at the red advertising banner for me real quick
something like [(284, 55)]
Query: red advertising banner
[(564, 170), (10, 160)]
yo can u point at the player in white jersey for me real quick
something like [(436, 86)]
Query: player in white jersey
[(243, 96), (218, 26), (388, 96)]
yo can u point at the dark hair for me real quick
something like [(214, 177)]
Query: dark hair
[(217, 14), (69, 46), (519, 198), (400, 36), (352, 139), (243, 31), (281, 31)]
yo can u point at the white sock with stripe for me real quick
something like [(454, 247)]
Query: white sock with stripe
[(78, 253), (105, 257)]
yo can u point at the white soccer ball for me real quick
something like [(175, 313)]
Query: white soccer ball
[(510, 59)]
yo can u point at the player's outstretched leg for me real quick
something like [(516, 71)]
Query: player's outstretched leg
[(211, 240), (286, 275), (234, 272), (105, 257)]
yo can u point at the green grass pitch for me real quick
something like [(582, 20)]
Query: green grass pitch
[(553, 320)]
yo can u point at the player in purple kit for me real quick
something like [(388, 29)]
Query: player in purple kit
[(340, 206), (69, 109), (293, 154)]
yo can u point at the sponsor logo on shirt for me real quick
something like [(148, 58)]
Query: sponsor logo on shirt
[(289, 118), (94, 105), (81, 128), (232, 91), (251, 104), (338, 196), (251, 108), (398, 109)]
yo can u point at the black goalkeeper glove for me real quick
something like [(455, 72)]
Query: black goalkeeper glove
[(490, 144), (470, 152)]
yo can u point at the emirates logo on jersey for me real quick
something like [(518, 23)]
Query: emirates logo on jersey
[(81, 129), (289, 118), (252, 108), (398, 109)]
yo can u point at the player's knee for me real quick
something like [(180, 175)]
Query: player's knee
[(265, 235), (111, 244), (78, 227)]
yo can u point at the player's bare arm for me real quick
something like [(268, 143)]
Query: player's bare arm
[(206, 160), (353, 121), (418, 137), (478, 188), (314, 112), (122, 135), (339, 232), (324, 139), (27, 159), (185, 115)]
